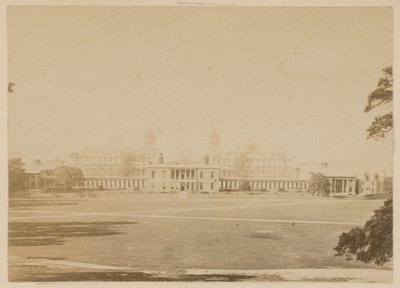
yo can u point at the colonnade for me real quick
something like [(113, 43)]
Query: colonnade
[(115, 183), (258, 184)]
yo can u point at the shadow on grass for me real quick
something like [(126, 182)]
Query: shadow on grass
[(127, 276), (321, 279), (55, 233), (25, 205)]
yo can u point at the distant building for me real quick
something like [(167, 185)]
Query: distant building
[(273, 165), (194, 177), (103, 164), (343, 185), (219, 171), (368, 187), (36, 176)]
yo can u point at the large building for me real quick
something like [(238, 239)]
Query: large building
[(219, 171), (272, 165), (105, 164), (178, 177)]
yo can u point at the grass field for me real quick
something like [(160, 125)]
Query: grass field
[(58, 237)]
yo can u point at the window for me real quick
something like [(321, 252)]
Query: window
[(172, 174), (182, 174), (153, 174), (212, 174), (201, 186), (201, 174), (192, 173), (212, 186)]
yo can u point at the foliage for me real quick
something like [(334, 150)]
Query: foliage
[(319, 185), (244, 185), (373, 242), (128, 166), (64, 177), (241, 166), (10, 87), (380, 126), (16, 175), (387, 185), (383, 94)]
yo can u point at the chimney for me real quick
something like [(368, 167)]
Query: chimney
[(161, 159), (324, 165), (206, 159), (36, 162)]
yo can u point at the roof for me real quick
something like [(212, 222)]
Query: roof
[(34, 168), (183, 165), (149, 136)]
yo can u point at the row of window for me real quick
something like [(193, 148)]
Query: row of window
[(266, 173), (116, 160), (98, 159), (182, 174), (252, 161), (186, 186)]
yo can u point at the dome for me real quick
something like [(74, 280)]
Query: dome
[(149, 137), (214, 135)]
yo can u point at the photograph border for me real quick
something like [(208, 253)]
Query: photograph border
[(395, 4)]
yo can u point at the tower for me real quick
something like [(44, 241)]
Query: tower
[(214, 142), (149, 143)]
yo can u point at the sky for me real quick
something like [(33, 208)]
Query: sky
[(296, 79)]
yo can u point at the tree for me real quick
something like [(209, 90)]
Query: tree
[(373, 242), (382, 95), (16, 175), (128, 166), (319, 185), (10, 87), (387, 185), (241, 167), (64, 177)]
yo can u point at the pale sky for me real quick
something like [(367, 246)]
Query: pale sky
[(294, 78)]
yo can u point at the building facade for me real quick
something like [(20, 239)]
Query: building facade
[(219, 171), (182, 177), (343, 185), (273, 165), (130, 164)]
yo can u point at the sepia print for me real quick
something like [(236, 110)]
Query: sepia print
[(200, 144)]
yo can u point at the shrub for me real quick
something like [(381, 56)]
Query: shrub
[(373, 242)]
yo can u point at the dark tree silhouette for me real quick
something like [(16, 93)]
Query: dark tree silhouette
[(319, 185), (10, 87), (380, 96), (373, 242), (65, 177), (16, 175)]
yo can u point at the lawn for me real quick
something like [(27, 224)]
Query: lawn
[(160, 232)]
